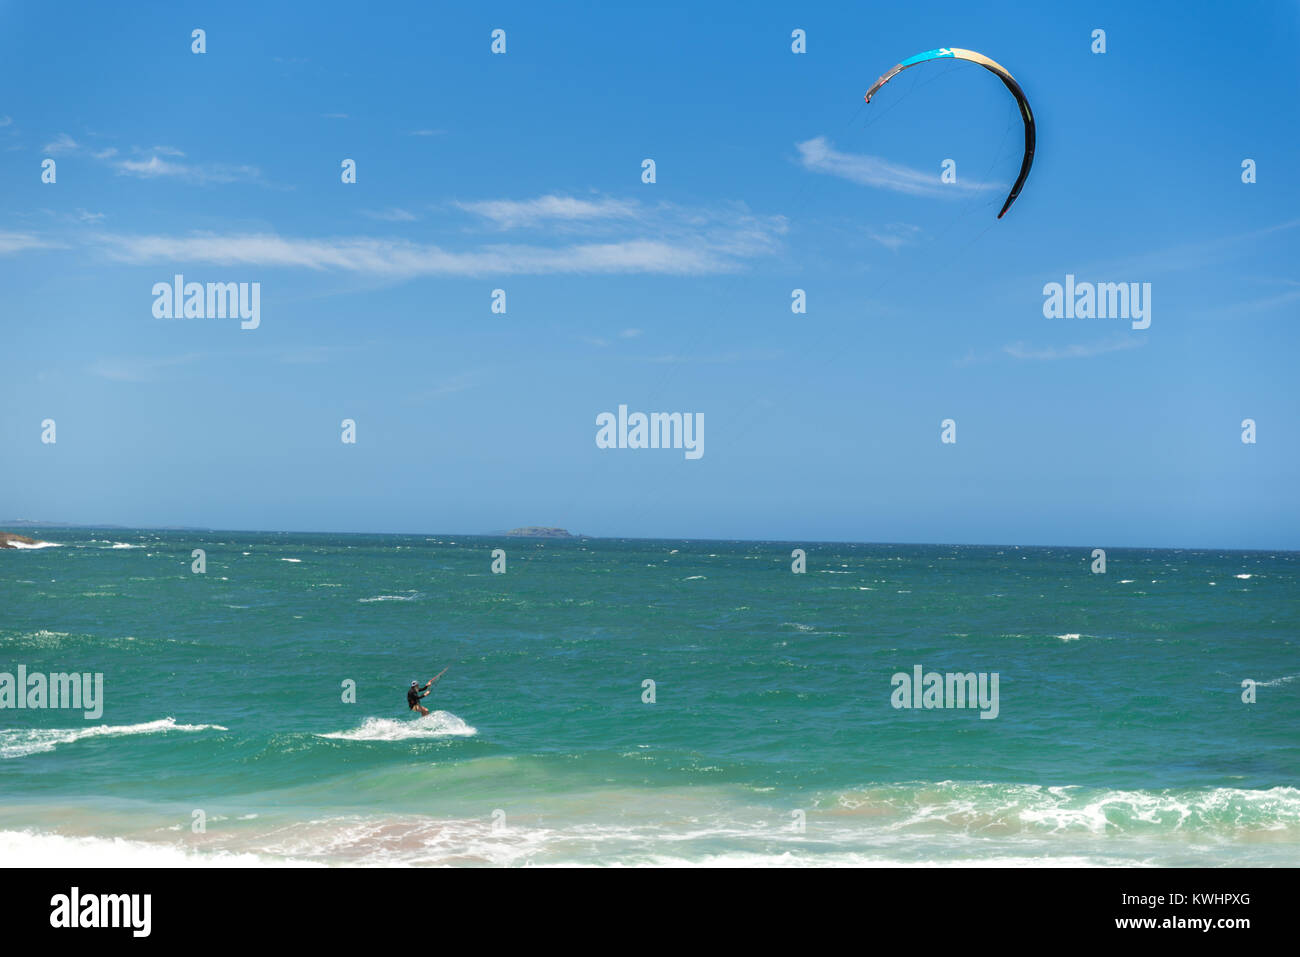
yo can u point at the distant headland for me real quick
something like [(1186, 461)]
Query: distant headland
[(539, 531)]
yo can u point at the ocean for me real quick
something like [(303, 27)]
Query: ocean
[(614, 702)]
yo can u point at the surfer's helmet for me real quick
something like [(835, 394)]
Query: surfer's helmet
[(415, 684)]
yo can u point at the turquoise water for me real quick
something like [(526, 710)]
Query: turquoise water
[(1121, 736)]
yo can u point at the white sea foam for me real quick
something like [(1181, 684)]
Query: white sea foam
[(28, 848), (17, 743), (296, 561), (948, 824), (429, 841), (1277, 681), (1072, 636), (16, 544), (42, 637), (410, 596), (436, 724), (1243, 576), (1032, 810)]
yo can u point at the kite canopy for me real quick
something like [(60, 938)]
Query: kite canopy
[(1007, 79)]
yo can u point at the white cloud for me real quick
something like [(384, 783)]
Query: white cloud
[(602, 342), (149, 164), (155, 167), (393, 215), (725, 358), (1258, 305), (397, 258), (664, 240), (895, 235), (512, 213), (18, 242), (133, 369), (450, 386), (820, 156), (312, 355), (62, 143), (1196, 255), (1020, 350)]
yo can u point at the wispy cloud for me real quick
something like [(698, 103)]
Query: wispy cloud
[(664, 240), (6, 120), (335, 116), (138, 369), (1262, 304), (393, 215), (603, 343), (1020, 350), (154, 166), (513, 213), (62, 143), (400, 259), (819, 155), (160, 162), (313, 355), (427, 132), (724, 358), (895, 235), (18, 242), (1187, 256), (457, 383)]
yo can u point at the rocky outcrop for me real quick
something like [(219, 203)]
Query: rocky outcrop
[(9, 540)]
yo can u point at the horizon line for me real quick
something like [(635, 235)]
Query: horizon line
[(644, 538)]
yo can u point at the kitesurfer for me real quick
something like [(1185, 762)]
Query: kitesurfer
[(414, 694)]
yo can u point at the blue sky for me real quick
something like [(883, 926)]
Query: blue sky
[(523, 172)]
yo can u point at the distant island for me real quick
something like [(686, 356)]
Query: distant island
[(538, 531)]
